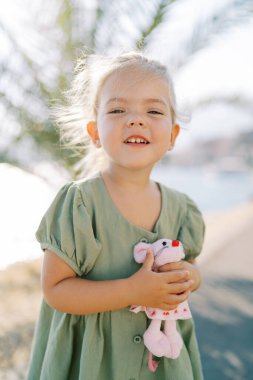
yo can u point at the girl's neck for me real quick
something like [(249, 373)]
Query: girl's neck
[(136, 197), (129, 180)]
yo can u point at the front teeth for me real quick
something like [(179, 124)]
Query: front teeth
[(137, 140)]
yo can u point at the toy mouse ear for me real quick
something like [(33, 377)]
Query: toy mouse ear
[(140, 251)]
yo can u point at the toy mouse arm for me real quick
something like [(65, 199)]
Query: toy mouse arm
[(140, 251)]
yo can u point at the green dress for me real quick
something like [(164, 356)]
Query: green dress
[(85, 229)]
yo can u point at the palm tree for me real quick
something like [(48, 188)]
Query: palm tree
[(38, 53)]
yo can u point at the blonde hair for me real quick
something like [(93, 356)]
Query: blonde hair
[(81, 103)]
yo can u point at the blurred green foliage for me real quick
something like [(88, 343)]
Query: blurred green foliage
[(39, 48)]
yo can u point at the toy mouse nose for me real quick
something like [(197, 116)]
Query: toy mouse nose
[(175, 243)]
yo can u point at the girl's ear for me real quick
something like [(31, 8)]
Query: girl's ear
[(140, 251), (93, 132), (174, 134)]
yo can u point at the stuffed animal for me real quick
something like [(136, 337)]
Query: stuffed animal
[(168, 342)]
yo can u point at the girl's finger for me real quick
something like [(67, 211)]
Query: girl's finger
[(149, 260), (175, 276), (175, 299), (171, 266), (180, 287)]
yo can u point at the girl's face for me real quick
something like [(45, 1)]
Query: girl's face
[(134, 123)]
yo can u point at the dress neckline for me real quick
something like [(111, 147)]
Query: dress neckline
[(147, 233)]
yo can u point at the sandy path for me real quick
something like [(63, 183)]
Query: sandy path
[(20, 299), (224, 305)]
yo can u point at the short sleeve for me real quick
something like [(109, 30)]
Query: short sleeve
[(192, 230), (66, 229)]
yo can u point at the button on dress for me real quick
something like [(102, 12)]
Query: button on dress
[(86, 230)]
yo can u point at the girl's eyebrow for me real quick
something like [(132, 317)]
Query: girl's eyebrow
[(155, 100), (148, 100), (115, 99)]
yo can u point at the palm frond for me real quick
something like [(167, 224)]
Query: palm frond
[(179, 41), (157, 19), (39, 61), (122, 23)]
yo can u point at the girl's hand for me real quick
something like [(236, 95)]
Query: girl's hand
[(165, 290), (190, 266)]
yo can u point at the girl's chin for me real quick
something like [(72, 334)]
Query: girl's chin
[(134, 166)]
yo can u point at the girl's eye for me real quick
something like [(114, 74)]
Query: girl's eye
[(116, 111), (154, 112)]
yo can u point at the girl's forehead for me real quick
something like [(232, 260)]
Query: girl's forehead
[(134, 82)]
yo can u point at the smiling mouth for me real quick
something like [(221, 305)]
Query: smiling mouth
[(136, 140)]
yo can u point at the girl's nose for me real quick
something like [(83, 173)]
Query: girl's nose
[(135, 121)]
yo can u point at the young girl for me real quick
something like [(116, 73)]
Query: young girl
[(89, 278)]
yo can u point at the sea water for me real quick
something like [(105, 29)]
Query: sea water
[(212, 190)]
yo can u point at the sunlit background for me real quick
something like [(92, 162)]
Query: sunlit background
[(207, 46)]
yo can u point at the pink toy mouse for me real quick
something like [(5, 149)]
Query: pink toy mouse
[(168, 342)]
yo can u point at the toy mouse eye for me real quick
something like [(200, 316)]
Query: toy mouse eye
[(164, 243)]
